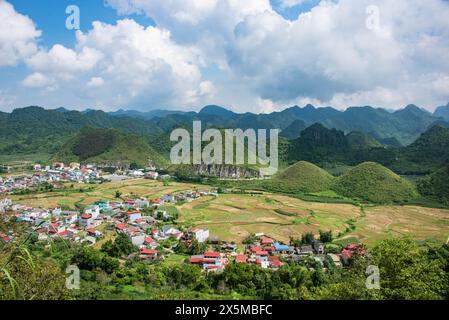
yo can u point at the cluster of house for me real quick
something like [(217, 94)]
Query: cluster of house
[(125, 217), (269, 253), (58, 172), (145, 231)]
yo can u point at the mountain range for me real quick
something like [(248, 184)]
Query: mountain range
[(403, 126), (318, 135)]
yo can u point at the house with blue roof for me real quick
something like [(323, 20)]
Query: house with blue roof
[(281, 248)]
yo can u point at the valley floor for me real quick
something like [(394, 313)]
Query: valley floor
[(232, 217)]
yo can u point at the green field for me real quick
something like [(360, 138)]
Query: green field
[(233, 217)]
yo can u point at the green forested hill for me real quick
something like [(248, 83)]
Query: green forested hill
[(320, 145), (355, 138), (403, 125), (34, 129), (427, 154), (372, 182), (302, 177), (293, 131), (360, 140), (107, 146), (436, 185)]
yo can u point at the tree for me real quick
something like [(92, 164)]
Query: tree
[(122, 246), (295, 242), (408, 272), (133, 166), (118, 194), (307, 238)]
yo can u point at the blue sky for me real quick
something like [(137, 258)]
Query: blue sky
[(259, 56)]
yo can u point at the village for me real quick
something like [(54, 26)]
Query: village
[(57, 173), (154, 231)]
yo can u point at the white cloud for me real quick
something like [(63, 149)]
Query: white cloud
[(328, 52), (207, 24), (207, 89), (245, 55), (7, 100), (95, 82), (62, 59), (36, 80), (18, 36), (124, 64)]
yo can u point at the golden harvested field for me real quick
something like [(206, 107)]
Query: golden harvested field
[(233, 217), (139, 187), (417, 222)]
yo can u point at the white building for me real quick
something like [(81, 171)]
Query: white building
[(200, 235), (94, 211)]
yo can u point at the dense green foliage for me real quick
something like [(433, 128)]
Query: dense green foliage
[(323, 146), (120, 247), (360, 140), (407, 271), (436, 186), (293, 131), (34, 129), (372, 182), (318, 144)]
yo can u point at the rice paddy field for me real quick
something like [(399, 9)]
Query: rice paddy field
[(232, 217)]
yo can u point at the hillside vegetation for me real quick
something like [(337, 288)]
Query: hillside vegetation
[(373, 182), (107, 146), (436, 186), (302, 177)]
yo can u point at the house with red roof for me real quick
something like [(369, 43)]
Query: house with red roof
[(121, 227), (266, 241), (148, 254), (210, 261), (86, 220), (261, 255), (157, 202), (240, 258), (275, 262), (94, 232)]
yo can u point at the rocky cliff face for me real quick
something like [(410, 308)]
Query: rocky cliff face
[(224, 171)]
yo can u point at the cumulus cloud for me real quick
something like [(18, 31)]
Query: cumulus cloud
[(18, 36), (123, 64), (6, 100), (330, 52), (36, 80), (341, 53), (208, 24), (95, 82), (61, 59)]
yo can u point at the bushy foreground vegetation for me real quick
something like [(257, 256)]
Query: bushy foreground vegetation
[(33, 271)]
